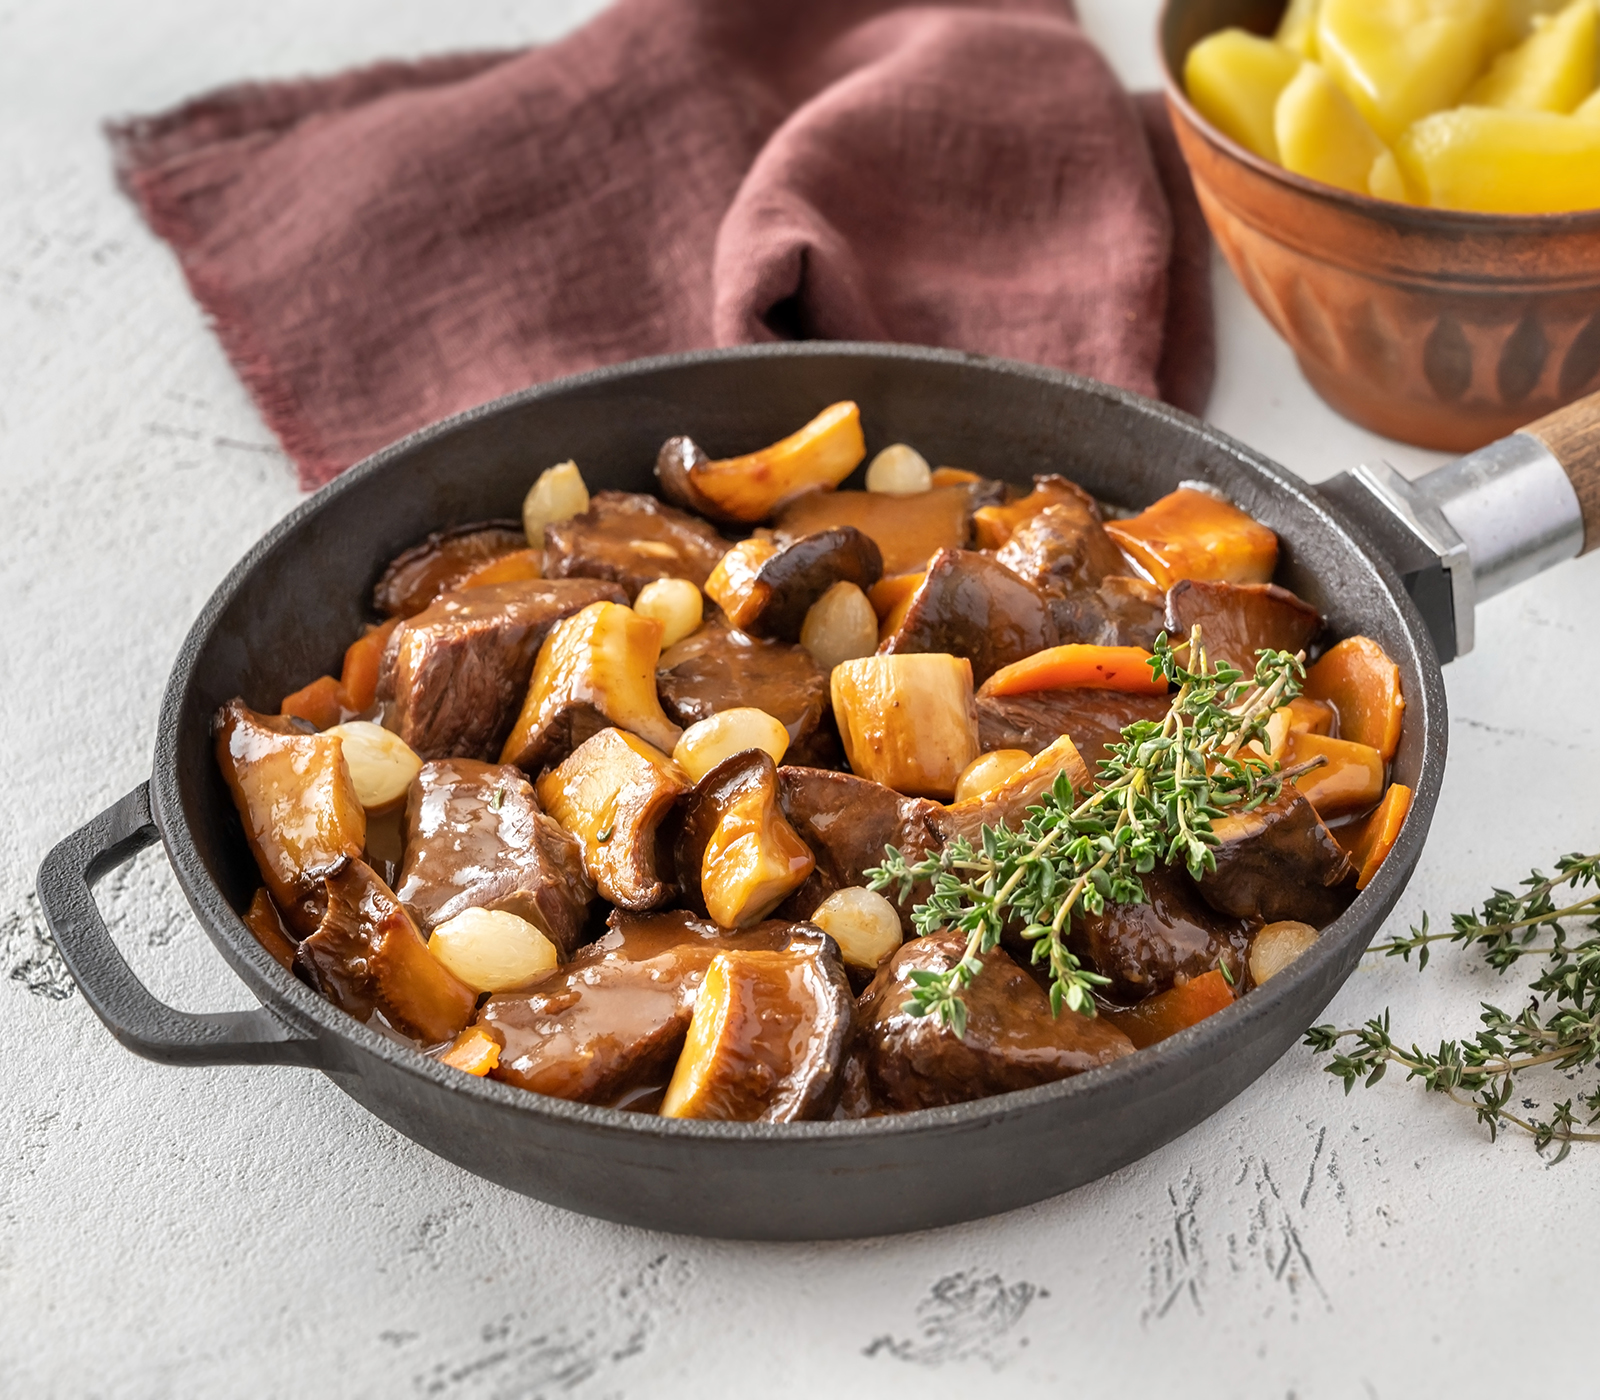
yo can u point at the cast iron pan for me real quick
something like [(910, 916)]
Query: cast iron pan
[(287, 610)]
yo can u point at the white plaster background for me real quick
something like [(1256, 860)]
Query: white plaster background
[(252, 1232)]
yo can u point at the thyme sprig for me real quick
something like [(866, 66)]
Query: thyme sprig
[(1558, 1029), (1155, 800)]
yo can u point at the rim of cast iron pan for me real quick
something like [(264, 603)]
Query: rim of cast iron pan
[(301, 1007)]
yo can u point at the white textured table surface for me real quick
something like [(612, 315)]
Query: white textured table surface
[(251, 1232)]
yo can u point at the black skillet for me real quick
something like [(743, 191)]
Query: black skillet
[(290, 606)]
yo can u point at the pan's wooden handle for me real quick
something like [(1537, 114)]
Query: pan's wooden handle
[(1573, 436)]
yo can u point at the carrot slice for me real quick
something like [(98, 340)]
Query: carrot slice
[(1165, 1014), (1359, 680), (474, 1050), (317, 703), (888, 593), (1192, 534), (1350, 781), (263, 920), (1077, 666), (517, 567), (358, 684), (1310, 716), (1370, 842)]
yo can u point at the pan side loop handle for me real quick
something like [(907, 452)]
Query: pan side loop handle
[(1572, 435), (138, 1020)]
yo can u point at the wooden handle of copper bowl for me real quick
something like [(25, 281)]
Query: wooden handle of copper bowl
[(1573, 436)]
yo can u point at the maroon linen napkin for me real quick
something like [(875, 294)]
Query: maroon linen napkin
[(385, 247)]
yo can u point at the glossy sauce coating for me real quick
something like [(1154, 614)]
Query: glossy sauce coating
[(441, 563), (632, 539)]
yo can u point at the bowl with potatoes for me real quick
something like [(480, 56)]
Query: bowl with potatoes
[(1410, 192)]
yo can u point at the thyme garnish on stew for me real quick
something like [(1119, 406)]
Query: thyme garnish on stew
[(1559, 1028), (1157, 796)]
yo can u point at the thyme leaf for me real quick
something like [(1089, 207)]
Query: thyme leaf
[(1559, 1028), (1154, 802)]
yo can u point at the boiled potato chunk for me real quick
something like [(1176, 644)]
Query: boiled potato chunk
[(612, 794), (1399, 60), (1193, 534), (1551, 71), (1297, 29), (1495, 161), (908, 721), (302, 815), (1234, 78), (596, 668), (492, 950), (766, 1042), (1321, 135)]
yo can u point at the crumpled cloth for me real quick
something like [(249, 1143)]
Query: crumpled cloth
[(388, 246)]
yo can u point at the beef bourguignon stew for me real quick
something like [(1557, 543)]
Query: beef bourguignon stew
[(769, 800)]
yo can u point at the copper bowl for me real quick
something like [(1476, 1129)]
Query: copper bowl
[(1436, 327)]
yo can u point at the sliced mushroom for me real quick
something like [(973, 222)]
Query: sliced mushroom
[(1011, 1042), (608, 1027), (907, 721), (454, 674), (751, 488), (767, 589), (1144, 948), (612, 793), (1198, 535), (908, 530), (632, 539), (1237, 620), (968, 605), (368, 956), (476, 839), (438, 565), (595, 670), (767, 1040), (737, 856), (1278, 862), (301, 814)]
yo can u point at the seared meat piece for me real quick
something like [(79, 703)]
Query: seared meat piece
[(767, 1040), (632, 539), (774, 601), (455, 674), (1012, 1041), (1142, 948), (439, 564), (1092, 719), (368, 956), (908, 530), (1279, 862), (609, 1025), (720, 668), (476, 839), (1121, 612), (847, 821), (968, 605), (1239, 619), (1058, 542)]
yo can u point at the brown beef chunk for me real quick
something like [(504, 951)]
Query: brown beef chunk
[(607, 1027), (720, 668), (1063, 548), (476, 839), (632, 540), (1012, 1041), (454, 675), (1239, 619), (968, 605), (847, 821), (1279, 862), (1142, 948), (437, 565), (1092, 719), (1121, 612)]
